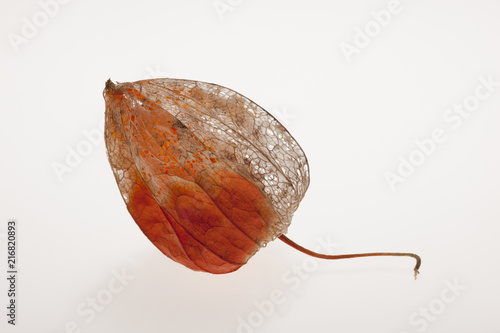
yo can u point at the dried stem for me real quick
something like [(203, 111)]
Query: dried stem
[(347, 256)]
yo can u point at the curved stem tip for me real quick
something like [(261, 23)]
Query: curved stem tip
[(348, 256)]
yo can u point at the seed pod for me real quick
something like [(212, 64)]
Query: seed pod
[(208, 175)]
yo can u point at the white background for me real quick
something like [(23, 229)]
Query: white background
[(353, 121)]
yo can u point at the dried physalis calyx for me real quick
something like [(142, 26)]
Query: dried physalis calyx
[(208, 175)]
